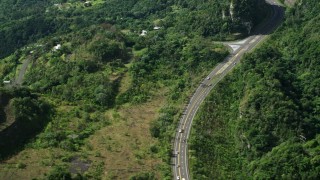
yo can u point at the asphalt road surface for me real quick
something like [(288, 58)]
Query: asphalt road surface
[(180, 152), (19, 79)]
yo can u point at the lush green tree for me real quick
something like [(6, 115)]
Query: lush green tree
[(261, 121)]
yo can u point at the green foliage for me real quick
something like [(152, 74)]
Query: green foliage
[(143, 176), (99, 44), (172, 60), (160, 127), (21, 166), (74, 82), (107, 50), (31, 114), (59, 173), (96, 171), (28, 111), (262, 121), (218, 18), (293, 159), (27, 22), (59, 133), (22, 22)]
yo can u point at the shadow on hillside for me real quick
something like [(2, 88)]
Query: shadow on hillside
[(3, 116), (28, 123), (14, 137), (270, 24), (4, 100)]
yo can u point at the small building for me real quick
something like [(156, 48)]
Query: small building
[(6, 82), (144, 32), (59, 6), (87, 4), (57, 47), (157, 28)]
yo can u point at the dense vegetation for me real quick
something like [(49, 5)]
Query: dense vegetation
[(26, 22), (80, 57), (262, 121), (31, 115)]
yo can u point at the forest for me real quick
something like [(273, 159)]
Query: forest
[(262, 121), (23, 23), (104, 99)]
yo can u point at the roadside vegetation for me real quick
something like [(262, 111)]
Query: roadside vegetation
[(262, 120), (114, 94)]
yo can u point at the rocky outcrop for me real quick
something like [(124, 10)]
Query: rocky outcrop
[(290, 2), (231, 11)]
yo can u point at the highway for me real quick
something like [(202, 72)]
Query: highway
[(180, 165)]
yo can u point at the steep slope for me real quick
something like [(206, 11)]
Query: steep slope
[(108, 82), (24, 115), (262, 121)]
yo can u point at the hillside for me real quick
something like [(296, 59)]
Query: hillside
[(23, 115), (115, 74), (262, 121), (26, 22)]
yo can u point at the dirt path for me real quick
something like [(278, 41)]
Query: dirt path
[(19, 80)]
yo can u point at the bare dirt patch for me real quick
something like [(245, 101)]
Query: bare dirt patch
[(79, 166)]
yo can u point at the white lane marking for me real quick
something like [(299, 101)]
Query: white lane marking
[(254, 39), (224, 67), (215, 84), (234, 47)]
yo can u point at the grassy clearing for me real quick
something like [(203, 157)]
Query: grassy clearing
[(30, 163), (125, 85), (124, 147), (114, 152)]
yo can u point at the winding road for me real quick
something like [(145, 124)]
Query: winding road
[(180, 152), (19, 80)]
